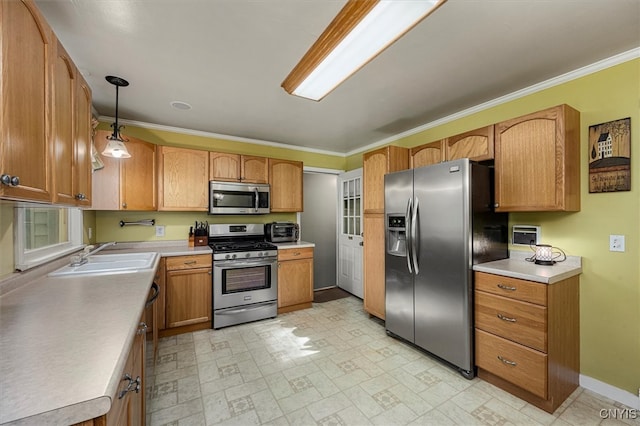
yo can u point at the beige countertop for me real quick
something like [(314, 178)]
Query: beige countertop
[(517, 267), (294, 244), (64, 343)]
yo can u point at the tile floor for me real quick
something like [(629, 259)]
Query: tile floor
[(331, 365)]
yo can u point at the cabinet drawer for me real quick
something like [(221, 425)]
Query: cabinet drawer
[(521, 322), (522, 366), (295, 253), (514, 288), (188, 262)]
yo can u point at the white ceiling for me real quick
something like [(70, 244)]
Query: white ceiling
[(227, 58)]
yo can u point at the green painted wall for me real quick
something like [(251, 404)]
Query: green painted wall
[(6, 238), (610, 282)]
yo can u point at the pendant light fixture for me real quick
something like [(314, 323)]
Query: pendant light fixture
[(115, 147), (359, 33)]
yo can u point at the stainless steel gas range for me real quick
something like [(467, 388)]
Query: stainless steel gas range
[(245, 274)]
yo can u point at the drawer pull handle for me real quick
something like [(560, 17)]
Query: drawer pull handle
[(190, 262), (296, 253), (503, 318), (506, 287), (506, 361)]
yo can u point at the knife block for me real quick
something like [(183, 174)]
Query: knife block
[(200, 240)]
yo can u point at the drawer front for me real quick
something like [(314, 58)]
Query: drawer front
[(521, 322), (295, 253), (527, 291), (522, 366), (188, 262)]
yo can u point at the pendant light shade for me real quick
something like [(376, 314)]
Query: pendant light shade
[(115, 147)]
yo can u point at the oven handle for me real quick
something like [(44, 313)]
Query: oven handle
[(243, 263), (250, 308)]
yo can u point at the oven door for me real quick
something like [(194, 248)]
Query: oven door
[(243, 282)]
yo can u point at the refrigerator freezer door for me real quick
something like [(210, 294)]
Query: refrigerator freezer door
[(443, 286), (399, 318)]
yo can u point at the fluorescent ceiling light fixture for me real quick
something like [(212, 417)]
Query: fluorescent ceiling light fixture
[(359, 33)]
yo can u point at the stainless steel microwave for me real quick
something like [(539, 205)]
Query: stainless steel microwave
[(238, 198)]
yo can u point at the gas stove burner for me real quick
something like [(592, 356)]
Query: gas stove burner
[(235, 246)]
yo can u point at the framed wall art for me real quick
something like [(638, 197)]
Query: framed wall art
[(610, 156)]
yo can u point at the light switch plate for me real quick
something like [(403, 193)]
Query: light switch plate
[(160, 231), (616, 243)]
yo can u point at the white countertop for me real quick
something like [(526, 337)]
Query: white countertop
[(164, 248), (294, 244), (517, 267), (64, 343)]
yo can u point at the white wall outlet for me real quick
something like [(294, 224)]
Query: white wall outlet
[(616, 242), (90, 233), (160, 231)]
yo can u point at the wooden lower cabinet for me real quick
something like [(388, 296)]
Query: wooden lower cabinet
[(188, 295), (295, 279), (373, 265), (528, 337), (128, 405)]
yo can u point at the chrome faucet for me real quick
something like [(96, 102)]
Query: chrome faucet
[(83, 258)]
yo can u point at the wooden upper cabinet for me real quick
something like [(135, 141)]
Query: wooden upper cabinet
[(63, 142), (238, 168), (427, 154), (125, 183), (375, 165), (537, 161), (27, 56), (285, 178), (476, 145), (82, 121), (183, 179)]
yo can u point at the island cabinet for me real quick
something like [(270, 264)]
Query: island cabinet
[(26, 90), (183, 179), (295, 279), (427, 154), (285, 178), (125, 183), (528, 337), (188, 293), (238, 168), (537, 161), (375, 165)]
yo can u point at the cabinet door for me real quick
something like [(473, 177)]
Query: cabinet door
[(183, 179), (106, 181), (138, 176), (82, 175), (295, 282), (374, 284), (285, 178), (188, 297), (63, 140), (375, 165), (537, 161), (476, 145), (427, 154), (26, 90), (254, 169), (224, 167)]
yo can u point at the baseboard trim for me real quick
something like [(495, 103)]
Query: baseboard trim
[(609, 391)]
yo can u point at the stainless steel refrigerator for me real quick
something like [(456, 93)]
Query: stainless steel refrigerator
[(439, 221)]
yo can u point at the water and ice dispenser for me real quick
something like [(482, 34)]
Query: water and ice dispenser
[(396, 235)]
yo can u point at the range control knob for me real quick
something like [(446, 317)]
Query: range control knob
[(266, 253), (227, 256), (247, 255), (233, 256)]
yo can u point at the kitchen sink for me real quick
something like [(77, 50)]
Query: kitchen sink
[(109, 263)]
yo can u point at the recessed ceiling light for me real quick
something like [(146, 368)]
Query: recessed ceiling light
[(180, 105)]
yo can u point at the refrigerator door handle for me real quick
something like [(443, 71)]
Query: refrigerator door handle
[(414, 236), (407, 224)]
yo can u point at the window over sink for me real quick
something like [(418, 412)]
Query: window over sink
[(45, 233)]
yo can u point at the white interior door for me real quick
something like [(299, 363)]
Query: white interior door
[(350, 235)]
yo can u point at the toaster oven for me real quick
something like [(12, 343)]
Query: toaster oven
[(280, 232)]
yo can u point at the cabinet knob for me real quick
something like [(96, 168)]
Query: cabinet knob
[(10, 180), (496, 205), (124, 205), (81, 197)]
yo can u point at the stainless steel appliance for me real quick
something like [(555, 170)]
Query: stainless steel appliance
[(245, 274), (439, 222), (281, 232), (238, 198)]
